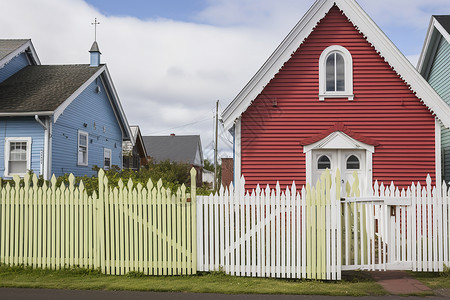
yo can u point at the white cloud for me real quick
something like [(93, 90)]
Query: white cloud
[(170, 73)]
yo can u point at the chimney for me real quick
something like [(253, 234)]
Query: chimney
[(95, 55)]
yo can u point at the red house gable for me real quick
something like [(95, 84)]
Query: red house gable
[(391, 130)]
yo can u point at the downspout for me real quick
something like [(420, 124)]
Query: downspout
[(46, 142)]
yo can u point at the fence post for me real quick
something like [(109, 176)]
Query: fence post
[(100, 219), (194, 219)]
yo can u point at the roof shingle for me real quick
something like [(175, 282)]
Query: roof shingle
[(8, 46), (43, 87), (180, 149), (444, 21)]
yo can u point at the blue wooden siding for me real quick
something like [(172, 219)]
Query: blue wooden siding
[(22, 127), (13, 66), (439, 79), (90, 112)]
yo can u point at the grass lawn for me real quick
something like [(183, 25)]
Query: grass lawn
[(434, 280), (353, 284)]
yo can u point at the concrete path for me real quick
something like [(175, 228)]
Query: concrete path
[(45, 294)]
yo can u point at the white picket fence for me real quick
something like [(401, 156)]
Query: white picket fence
[(271, 233), (393, 229), (311, 233)]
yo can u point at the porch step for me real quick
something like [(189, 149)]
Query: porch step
[(399, 282)]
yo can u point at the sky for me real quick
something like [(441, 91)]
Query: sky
[(171, 60)]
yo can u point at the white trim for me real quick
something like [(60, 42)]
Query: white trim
[(438, 153), (373, 34), (80, 132), (237, 151), (338, 140), (27, 45), (8, 140), (26, 114), (59, 111), (282, 54), (107, 150), (348, 62)]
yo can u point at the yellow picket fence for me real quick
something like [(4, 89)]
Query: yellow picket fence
[(143, 229)]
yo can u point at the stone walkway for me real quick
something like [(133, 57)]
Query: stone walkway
[(399, 282)]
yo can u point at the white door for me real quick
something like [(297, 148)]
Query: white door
[(347, 160)]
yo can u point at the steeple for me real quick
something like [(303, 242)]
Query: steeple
[(95, 55), (95, 51)]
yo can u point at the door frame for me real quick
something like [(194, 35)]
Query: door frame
[(338, 140)]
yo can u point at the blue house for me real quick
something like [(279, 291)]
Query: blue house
[(434, 66), (57, 119)]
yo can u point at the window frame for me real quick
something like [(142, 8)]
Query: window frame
[(82, 163), (348, 76), (8, 141), (107, 150)]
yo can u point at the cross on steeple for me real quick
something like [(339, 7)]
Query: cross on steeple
[(95, 28)]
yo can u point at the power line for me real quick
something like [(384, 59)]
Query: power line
[(189, 124)]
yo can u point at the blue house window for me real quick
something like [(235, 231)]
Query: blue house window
[(83, 148), (17, 156), (107, 154)]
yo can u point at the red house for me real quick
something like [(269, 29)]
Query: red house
[(336, 94)]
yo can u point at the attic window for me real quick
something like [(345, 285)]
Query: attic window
[(335, 73)]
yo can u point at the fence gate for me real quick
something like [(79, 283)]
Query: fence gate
[(396, 230)]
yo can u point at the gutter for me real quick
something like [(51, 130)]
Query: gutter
[(46, 155)]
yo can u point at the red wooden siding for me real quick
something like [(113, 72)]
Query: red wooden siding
[(384, 110)]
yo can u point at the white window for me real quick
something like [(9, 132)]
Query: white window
[(17, 156), (83, 138), (335, 73), (107, 154)]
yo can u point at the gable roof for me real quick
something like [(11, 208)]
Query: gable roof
[(49, 90), (176, 148), (11, 48), (439, 28), (373, 34)]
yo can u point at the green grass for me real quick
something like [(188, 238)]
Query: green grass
[(434, 280), (353, 284)]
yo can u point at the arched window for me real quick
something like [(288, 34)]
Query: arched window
[(353, 163), (323, 163), (335, 73)]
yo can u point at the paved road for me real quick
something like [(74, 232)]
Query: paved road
[(43, 294)]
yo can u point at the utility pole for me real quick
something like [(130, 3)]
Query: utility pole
[(215, 147)]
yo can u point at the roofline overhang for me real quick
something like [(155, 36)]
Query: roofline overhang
[(430, 46), (122, 118), (18, 51), (26, 114), (373, 34), (115, 102)]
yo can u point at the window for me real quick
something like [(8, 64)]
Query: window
[(323, 163), (353, 163), (107, 153), (83, 148), (335, 73), (17, 155)]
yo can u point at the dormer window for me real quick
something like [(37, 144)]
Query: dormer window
[(335, 73)]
